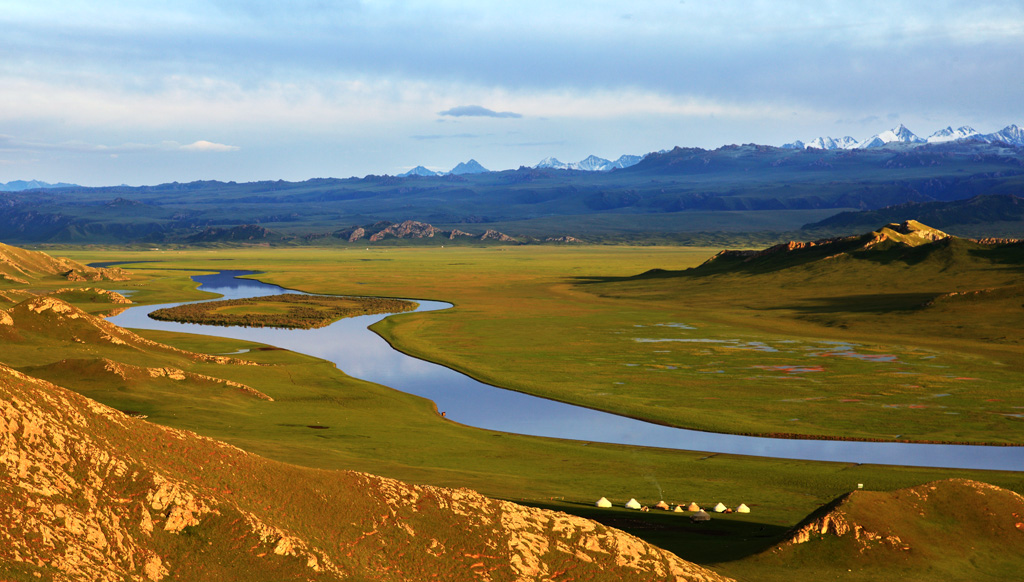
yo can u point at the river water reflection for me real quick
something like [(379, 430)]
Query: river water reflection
[(362, 354)]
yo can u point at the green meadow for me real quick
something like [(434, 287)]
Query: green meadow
[(841, 353), (571, 324)]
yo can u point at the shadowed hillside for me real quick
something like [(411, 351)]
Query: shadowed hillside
[(945, 530)]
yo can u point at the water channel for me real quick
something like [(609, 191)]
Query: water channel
[(360, 353)]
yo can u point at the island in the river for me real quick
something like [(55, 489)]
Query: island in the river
[(290, 310)]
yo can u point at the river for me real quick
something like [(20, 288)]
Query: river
[(360, 353)]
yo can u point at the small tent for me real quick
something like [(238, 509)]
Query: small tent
[(603, 502), (693, 507), (700, 516), (679, 509), (743, 508), (719, 508), (662, 505), (633, 504)]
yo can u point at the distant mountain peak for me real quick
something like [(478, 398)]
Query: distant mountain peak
[(419, 171), (470, 167), (19, 185), (899, 134), (1009, 135), (591, 163)]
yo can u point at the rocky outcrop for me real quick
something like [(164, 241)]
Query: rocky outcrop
[(88, 493), (407, 229), (104, 295), (412, 229), (492, 234), (109, 370), (874, 520)]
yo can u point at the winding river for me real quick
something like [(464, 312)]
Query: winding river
[(360, 353)]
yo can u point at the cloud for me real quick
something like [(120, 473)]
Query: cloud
[(439, 136), (208, 146), (477, 111), (11, 143)]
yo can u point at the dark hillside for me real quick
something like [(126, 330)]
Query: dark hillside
[(945, 530), (980, 211), (748, 178)]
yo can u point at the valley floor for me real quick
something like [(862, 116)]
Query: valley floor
[(537, 320)]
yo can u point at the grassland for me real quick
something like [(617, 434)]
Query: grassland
[(840, 351), (524, 318), (287, 311)]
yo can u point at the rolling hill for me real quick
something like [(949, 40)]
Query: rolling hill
[(981, 216), (20, 266), (945, 530), (89, 493)]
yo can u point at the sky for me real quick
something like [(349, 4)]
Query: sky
[(107, 92)]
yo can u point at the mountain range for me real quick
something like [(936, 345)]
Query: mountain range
[(470, 167), (591, 163), (19, 185), (1010, 135)]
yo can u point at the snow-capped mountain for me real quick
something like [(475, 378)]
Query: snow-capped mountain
[(1009, 135), (950, 134), (591, 163), (419, 171), (897, 135), (552, 163), (829, 143), (470, 167)]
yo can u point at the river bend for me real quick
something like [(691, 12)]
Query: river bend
[(362, 354)]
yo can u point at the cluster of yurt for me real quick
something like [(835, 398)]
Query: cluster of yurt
[(699, 514)]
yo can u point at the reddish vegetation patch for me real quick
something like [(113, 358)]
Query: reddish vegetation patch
[(792, 369)]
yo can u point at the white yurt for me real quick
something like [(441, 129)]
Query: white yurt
[(679, 509), (743, 508), (719, 508), (633, 504), (603, 502)]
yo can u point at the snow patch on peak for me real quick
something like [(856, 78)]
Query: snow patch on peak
[(896, 135), (591, 163), (950, 134)]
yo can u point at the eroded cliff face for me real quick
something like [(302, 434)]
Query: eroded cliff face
[(87, 493)]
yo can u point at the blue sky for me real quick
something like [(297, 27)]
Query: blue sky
[(140, 92)]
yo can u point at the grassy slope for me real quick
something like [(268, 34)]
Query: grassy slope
[(415, 445), (948, 530)]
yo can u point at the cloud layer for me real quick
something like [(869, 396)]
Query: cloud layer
[(345, 84)]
